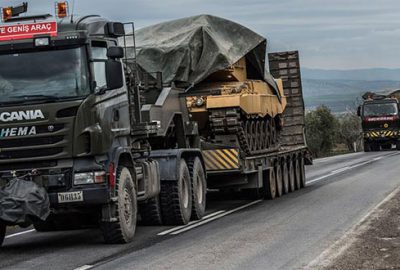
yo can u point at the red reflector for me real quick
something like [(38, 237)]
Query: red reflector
[(24, 31), (111, 175), (7, 13), (62, 10)]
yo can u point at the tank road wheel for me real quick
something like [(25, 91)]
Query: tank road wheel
[(285, 177), (279, 180), (273, 132), (150, 212), (259, 135), (270, 184), (199, 188), (263, 134), (2, 232), (269, 134), (254, 139), (122, 230), (247, 130), (176, 198), (292, 180)]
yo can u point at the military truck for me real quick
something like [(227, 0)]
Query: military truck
[(109, 139), (379, 114)]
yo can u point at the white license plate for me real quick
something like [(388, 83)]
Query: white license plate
[(70, 197)]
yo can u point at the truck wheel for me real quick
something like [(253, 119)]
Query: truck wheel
[(199, 188), (2, 233), (297, 173), (367, 147), (44, 226), (270, 185), (285, 177), (398, 145), (292, 180), (302, 173), (123, 230), (150, 212), (279, 180), (176, 201)]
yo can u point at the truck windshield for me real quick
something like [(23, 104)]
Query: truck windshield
[(380, 109), (54, 74)]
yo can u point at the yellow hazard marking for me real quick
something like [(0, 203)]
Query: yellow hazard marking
[(221, 159)]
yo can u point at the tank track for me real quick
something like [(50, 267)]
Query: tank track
[(253, 135)]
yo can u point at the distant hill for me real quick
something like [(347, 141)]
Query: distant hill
[(342, 89), (373, 74)]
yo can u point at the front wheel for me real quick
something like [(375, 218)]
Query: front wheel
[(123, 230), (2, 232)]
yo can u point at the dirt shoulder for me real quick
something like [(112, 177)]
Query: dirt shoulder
[(372, 244)]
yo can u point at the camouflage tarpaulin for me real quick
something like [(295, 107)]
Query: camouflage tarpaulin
[(190, 49)]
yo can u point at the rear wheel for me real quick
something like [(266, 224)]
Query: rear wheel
[(122, 230), (367, 147), (292, 180), (199, 188), (270, 185), (176, 198), (297, 172), (2, 232), (279, 180), (302, 173), (150, 212), (285, 177)]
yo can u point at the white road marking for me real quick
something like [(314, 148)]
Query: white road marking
[(340, 170), (20, 233), (190, 223), (84, 267), (187, 228)]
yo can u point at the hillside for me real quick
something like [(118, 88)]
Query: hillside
[(340, 90)]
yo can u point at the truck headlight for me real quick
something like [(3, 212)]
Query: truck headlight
[(89, 178)]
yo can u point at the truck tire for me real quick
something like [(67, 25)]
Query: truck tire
[(367, 147), (150, 212), (2, 232), (297, 172), (44, 226), (292, 180), (270, 185), (279, 180), (123, 230), (199, 188), (398, 145), (285, 177), (176, 201), (303, 173)]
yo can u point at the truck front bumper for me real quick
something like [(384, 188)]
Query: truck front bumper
[(93, 195), (382, 135)]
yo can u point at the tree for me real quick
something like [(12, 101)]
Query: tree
[(321, 130), (350, 129)]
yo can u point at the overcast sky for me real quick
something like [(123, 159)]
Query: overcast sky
[(338, 34)]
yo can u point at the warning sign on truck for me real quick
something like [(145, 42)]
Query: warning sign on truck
[(23, 31)]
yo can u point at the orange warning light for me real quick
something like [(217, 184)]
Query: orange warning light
[(7, 13), (62, 9)]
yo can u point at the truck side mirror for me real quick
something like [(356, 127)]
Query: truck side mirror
[(359, 111), (115, 52), (114, 74)]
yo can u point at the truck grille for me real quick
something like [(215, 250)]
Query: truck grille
[(30, 141), (15, 154)]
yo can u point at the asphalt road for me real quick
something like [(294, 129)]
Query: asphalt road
[(286, 233)]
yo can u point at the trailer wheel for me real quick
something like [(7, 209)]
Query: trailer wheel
[(176, 199), (199, 188), (285, 177), (279, 180), (302, 173), (270, 185), (292, 180), (398, 145), (367, 147), (122, 230), (297, 172), (2, 232), (150, 212)]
